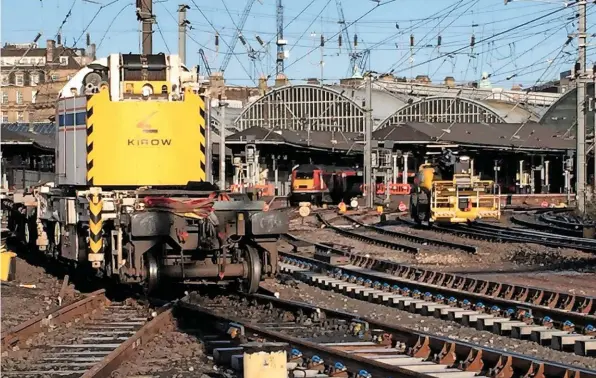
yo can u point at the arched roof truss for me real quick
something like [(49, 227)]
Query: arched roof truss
[(303, 107), (444, 110)]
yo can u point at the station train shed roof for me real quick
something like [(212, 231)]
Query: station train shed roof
[(333, 118), (317, 108)]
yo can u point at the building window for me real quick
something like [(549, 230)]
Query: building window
[(4, 98), (35, 78), (20, 117), (63, 60), (4, 117), (19, 97), (20, 79)]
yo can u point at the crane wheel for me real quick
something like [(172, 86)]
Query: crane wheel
[(252, 262)]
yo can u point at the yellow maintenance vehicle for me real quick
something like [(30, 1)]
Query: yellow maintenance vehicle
[(462, 198), (130, 199)]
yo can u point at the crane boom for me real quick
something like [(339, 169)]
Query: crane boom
[(342, 22), (351, 50), (205, 62), (237, 35)]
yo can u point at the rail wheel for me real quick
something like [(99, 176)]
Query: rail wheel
[(151, 273), (421, 208), (250, 284), (54, 232)]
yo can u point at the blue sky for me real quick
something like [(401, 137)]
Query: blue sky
[(528, 55)]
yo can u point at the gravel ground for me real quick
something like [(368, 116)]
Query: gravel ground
[(23, 303), (171, 354), (435, 326), (330, 236), (507, 256), (503, 256)]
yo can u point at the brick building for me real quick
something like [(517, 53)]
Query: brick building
[(31, 78)]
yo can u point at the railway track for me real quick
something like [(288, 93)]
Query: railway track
[(533, 224), (560, 320), (409, 237), (88, 338), (553, 222), (496, 233), (323, 342), (395, 245)]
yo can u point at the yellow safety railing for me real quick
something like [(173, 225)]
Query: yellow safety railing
[(482, 198)]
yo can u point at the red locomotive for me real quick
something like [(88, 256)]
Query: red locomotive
[(321, 184)]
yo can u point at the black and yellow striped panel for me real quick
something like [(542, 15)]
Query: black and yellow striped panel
[(90, 154), (203, 138), (95, 223)]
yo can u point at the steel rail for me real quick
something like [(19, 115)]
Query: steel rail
[(18, 335), (148, 331), (353, 362), (565, 302), (498, 234), (465, 289), (548, 239), (85, 308), (368, 239), (544, 227), (561, 307), (499, 315), (443, 349), (574, 225), (412, 238)]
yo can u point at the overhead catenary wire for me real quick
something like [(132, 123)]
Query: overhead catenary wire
[(483, 40), (449, 42), (341, 31), (162, 37), (215, 29), (112, 23), (452, 35)]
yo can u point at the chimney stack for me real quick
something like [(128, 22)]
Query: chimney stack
[(449, 81), (91, 51), (217, 84), (281, 80), (50, 46), (423, 79), (262, 85), (59, 39)]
